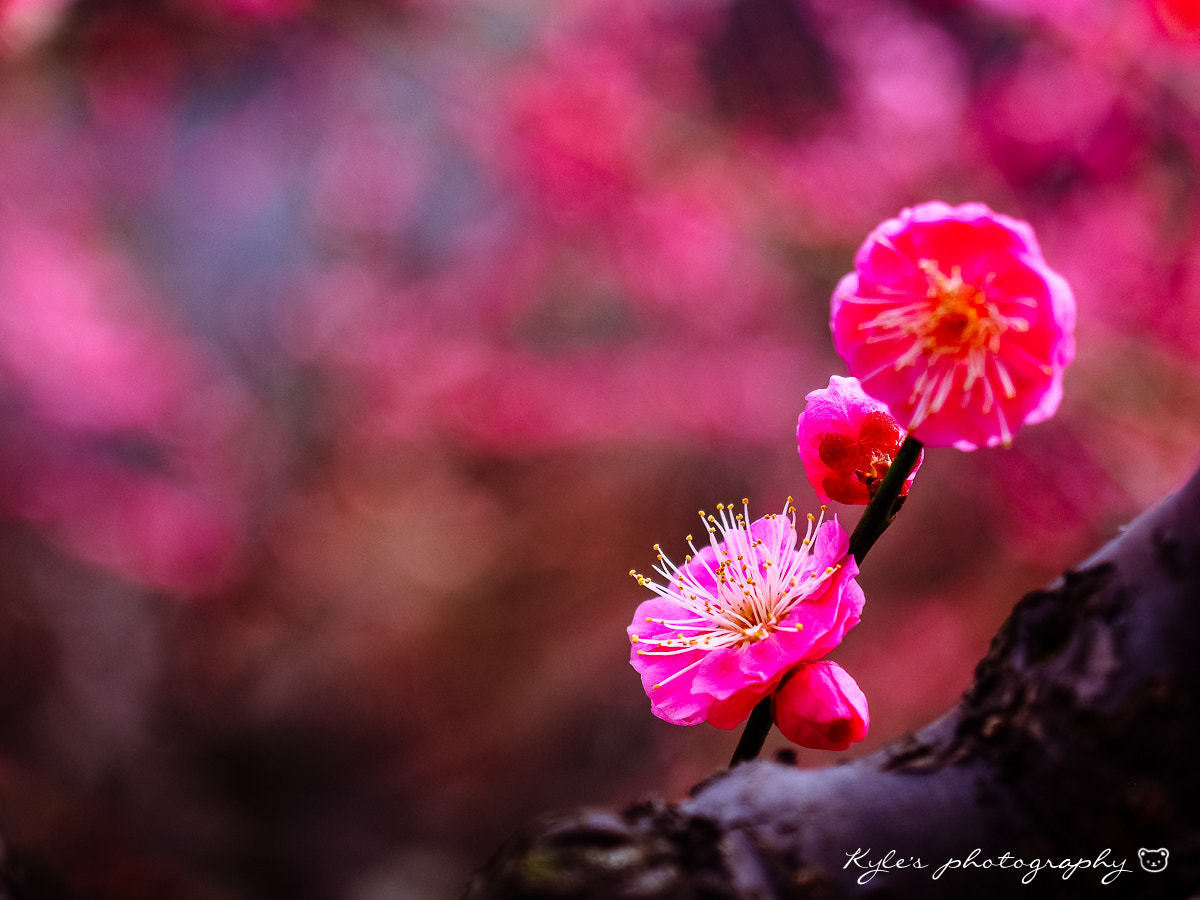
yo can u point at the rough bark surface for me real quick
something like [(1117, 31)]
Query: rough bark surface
[(1076, 741)]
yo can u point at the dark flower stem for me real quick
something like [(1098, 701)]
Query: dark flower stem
[(758, 726), (874, 521), (886, 503)]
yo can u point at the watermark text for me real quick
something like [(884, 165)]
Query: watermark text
[(869, 865)]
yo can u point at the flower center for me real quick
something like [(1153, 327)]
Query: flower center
[(751, 610), (961, 319), (741, 600), (874, 471), (759, 631), (953, 336)]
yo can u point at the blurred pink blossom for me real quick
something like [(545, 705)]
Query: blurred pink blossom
[(688, 252), (578, 127), (847, 442), (820, 706), (1051, 117), (953, 319), (121, 445), (899, 121), (1129, 226), (741, 613), (1179, 18)]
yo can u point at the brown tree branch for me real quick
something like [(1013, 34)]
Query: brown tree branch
[(1076, 743)]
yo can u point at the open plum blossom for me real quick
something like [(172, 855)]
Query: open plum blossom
[(847, 442), (953, 319), (743, 612)]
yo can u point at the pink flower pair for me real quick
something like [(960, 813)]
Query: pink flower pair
[(748, 615), (956, 330)]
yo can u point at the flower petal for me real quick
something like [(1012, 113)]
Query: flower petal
[(847, 441), (820, 706)]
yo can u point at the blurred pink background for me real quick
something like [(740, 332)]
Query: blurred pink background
[(352, 353)]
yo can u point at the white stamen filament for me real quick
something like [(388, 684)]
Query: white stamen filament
[(756, 587), (955, 333)]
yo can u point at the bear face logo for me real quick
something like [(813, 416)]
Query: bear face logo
[(1153, 860)]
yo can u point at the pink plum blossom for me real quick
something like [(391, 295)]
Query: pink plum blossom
[(952, 318), (847, 442), (741, 613), (820, 706)]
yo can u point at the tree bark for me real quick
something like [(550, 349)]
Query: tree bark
[(1076, 743)]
